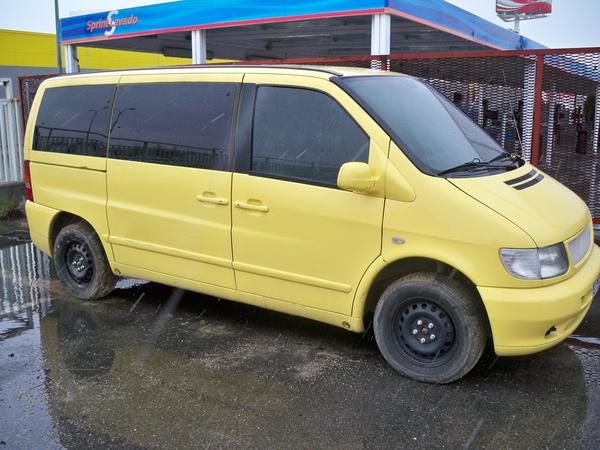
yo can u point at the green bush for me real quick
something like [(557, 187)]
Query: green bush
[(6, 206)]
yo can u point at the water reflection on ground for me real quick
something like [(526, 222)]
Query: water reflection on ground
[(157, 367)]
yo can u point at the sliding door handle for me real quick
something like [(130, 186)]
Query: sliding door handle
[(212, 200), (251, 206)]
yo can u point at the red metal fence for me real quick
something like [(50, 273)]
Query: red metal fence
[(28, 86), (543, 104)]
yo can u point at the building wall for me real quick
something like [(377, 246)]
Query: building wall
[(26, 49), (25, 53)]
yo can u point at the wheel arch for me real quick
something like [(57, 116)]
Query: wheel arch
[(64, 218), (61, 220), (381, 275)]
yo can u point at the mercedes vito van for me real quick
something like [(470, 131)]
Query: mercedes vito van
[(354, 197)]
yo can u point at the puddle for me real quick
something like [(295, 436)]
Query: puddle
[(13, 238), (25, 273), (592, 342)]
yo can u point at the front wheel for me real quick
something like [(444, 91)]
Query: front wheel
[(430, 328), (81, 263)]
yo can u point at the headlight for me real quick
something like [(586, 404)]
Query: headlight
[(537, 263)]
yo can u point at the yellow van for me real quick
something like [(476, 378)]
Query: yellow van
[(354, 197)]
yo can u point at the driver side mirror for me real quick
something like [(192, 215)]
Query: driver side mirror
[(357, 177)]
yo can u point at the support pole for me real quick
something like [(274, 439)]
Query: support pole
[(71, 62), (551, 119), (57, 27), (198, 46), (480, 108), (596, 121), (528, 109), (537, 110), (381, 32)]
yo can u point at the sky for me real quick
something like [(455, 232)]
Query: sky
[(573, 23)]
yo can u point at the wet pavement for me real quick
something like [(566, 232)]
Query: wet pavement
[(156, 367)]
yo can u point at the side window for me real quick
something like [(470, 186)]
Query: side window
[(303, 135), (178, 124), (74, 120)]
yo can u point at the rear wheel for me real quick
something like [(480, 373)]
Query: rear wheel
[(430, 328), (81, 263)]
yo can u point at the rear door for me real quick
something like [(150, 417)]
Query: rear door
[(296, 236), (169, 182)]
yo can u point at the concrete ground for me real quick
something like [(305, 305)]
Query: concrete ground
[(155, 367)]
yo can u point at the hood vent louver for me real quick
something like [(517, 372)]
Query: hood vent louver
[(525, 181)]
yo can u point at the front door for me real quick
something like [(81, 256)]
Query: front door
[(297, 237), (169, 183)]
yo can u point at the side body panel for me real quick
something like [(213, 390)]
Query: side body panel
[(40, 219), (310, 244), (443, 224), (170, 219), (158, 224)]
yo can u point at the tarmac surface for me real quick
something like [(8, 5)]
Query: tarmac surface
[(156, 367)]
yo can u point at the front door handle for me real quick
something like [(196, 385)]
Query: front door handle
[(251, 206), (212, 200)]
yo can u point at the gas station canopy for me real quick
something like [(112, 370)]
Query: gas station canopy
[(276, 29)]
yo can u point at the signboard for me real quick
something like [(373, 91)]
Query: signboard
[(508, 9), (184, 15)]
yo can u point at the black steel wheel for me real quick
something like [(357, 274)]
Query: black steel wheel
[(425, 332), (430, 328), (81, 263)]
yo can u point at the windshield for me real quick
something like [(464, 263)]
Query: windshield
[(434, 133)]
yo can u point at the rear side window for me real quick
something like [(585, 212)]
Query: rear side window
[(74, 120), (303, 135), (179, 124)]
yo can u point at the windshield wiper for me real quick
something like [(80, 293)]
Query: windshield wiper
[(473, 165), (513, 157)]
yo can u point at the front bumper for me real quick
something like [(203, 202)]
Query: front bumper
[(525, 321)]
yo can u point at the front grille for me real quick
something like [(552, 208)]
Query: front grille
[(580, 246)]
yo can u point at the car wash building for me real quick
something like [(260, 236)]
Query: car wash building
[(273, 29)]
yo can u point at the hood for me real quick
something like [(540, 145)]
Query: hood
[(542, 207)]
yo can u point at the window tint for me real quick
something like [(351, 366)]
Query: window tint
[(303, 135), (74, 120), (180, 124), (434, 133)]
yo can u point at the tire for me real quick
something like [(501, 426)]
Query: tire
[(81, 263), (428, 303)]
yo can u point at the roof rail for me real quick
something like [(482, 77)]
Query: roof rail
[(232, 65)]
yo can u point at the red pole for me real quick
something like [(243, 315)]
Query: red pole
[(537, 110), (22, 105)]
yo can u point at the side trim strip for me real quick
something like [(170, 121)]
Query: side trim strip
[(169, 251), (521, 178), (333, 318), (530, 183), (288, 276)]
